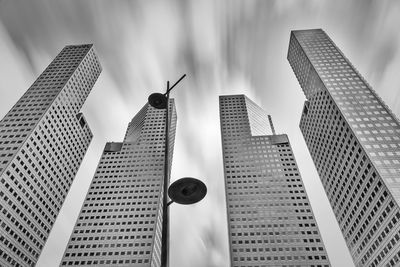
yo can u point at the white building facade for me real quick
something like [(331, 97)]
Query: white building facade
[(354, 140), (43, 140), (270, 219), (121, 218)]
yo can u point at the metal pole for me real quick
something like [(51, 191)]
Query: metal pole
[(164, 232), (164, 235)]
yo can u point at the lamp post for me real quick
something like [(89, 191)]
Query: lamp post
[(183, 191)]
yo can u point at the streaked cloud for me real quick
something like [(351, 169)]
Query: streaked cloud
[(225, 47)]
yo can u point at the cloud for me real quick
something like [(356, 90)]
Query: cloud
[(224, 47), (383, 57), (15, 67), (140, 46)]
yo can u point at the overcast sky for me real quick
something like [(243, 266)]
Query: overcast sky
[(224, 47)]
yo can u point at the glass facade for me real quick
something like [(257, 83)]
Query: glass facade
[(121, 218), (354, 140), (270, 219), (43, 140)]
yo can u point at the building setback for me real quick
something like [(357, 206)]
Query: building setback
[(354, 140), (270, 219), (43, 140), (121, 218)]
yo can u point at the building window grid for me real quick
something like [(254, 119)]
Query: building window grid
[(247, 160), (127, 187), (20, 123), (365, 113)]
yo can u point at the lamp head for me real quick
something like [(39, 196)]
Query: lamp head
[(158, 101), (187, 191)]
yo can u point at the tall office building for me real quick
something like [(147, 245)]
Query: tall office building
[(270, 219), (121, 218), (43, 139), (354, 140)]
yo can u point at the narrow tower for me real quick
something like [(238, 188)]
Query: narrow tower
[(121, 218), (270, 219), (43, 139), (354, 140)]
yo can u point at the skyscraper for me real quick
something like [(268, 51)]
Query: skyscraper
[(121, 218), (354, 140), (43, 139), (270, 219)]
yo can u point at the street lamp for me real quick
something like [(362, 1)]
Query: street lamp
[(187, 191), (183, 191)]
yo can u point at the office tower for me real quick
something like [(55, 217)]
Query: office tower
[(270, 219), (121, 218), (43, 139), (354, 140)]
